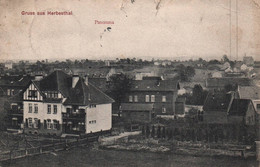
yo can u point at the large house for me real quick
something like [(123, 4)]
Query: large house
[(227, 108), (63, 104), (150, 97)]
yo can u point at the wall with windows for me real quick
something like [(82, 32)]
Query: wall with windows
[(164, 101), (39, 110), (99, 117)]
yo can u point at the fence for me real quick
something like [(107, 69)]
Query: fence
[(15, 154)]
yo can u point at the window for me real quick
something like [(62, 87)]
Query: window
[(163, 110), (55, 110), (30, 124), (8, 92), (35, 108), (55, 124), (163, 98), (30, 108), (258, 106), (49, 109), (35, 123), (92, 122), (49, 124), (147, 98), (136, 98), (92, 106), (52, 94), (12, 92), (32, 93), (152, 98), (130, 98)]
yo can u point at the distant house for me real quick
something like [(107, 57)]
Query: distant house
[(141, 75), (248, 60), (243, 67), (242, 111), (220, 83), (225, 66), (9, 65), (216, 106), (12, 85), (216, 74), (250, 93), (155, 97), (63, 104)]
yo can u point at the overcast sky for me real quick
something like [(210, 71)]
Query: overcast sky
[(178, 29)]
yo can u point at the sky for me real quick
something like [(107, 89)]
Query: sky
[(166, 29)]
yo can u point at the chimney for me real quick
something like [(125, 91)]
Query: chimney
[(86, 79), (75, 79)]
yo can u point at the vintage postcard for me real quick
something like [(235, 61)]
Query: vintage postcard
[(130, 83)]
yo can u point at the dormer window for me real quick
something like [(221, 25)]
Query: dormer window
[(52, 94)]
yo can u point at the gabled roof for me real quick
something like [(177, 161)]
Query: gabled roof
[(84, 94), (239, 107), (56, 81), (249, 92), (155, 85), (81, 94), (217, 101), (222, 82)]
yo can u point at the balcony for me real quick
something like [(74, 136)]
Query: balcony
[(74, 115)]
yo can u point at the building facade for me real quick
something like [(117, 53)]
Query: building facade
[(152, 97), (63, 104)]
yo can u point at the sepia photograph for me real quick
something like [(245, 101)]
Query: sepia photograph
[(130, 83)]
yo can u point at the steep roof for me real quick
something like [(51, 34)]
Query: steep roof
[(249, 92), (84, 94), (81, 94), (21, 81), (222, 82), (155, 85), (56, 81), (100, 83), (217, 101), (239, 107)]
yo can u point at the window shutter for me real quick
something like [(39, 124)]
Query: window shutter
[(58, 125), (45, 124)]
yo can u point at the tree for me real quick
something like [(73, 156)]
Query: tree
[(120, 85), (185, 73), (225, 58)]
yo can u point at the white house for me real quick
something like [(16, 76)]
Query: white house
[(60, 103)]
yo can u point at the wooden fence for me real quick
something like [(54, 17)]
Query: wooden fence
[(15, 154)]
